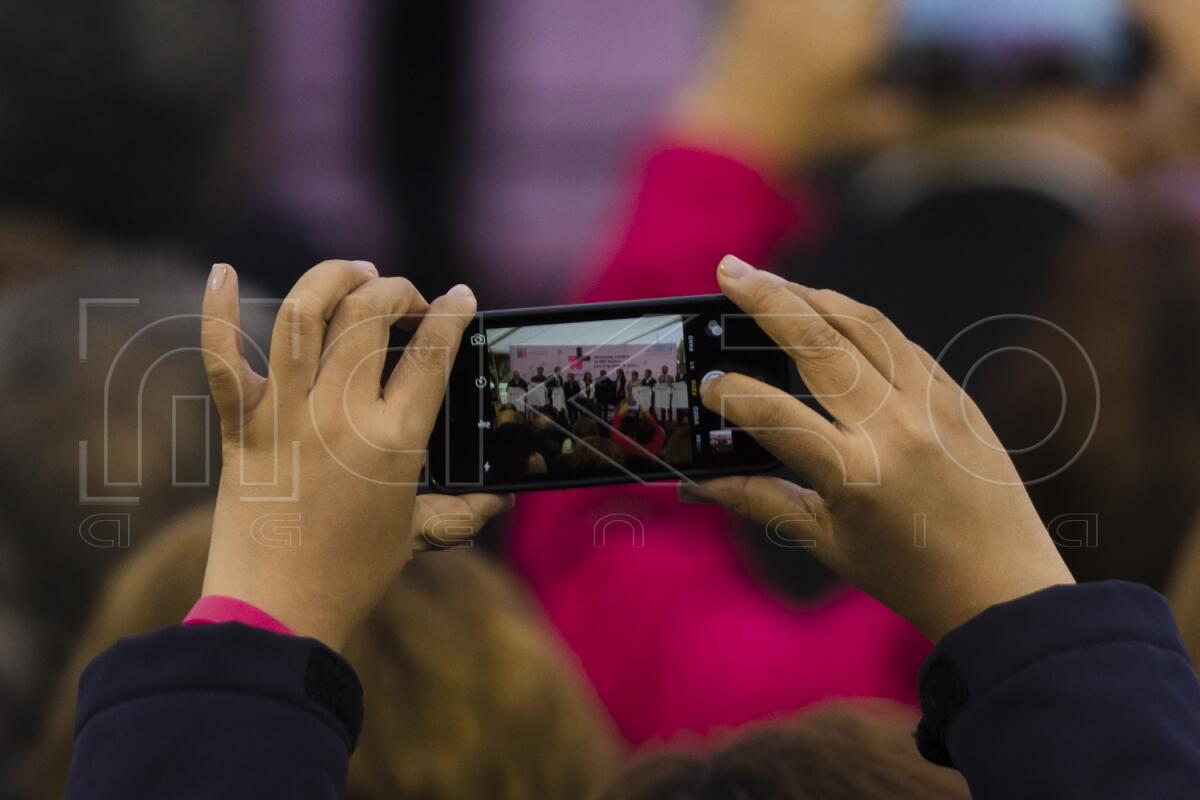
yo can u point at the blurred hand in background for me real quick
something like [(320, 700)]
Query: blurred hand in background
[(785, 81)]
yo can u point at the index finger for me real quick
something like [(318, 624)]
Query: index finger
[(846, 383), (417, 385), (299, 333)]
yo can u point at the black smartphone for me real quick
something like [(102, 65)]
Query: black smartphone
[(949, 45), (589, 395)]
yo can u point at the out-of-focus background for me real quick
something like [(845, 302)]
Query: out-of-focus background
[(1018, 188)]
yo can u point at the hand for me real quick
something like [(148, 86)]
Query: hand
[(315, 513), (913, 500), (788, 80), (1175, 26)]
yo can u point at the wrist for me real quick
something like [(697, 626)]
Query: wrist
[(214, 609), (299, 617), (978, 598)]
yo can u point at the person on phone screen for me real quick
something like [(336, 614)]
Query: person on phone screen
[(605, 393)]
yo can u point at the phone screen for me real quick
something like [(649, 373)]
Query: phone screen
[(1007, 42), (599, 394)]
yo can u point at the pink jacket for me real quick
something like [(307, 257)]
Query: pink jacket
[(673, 630)]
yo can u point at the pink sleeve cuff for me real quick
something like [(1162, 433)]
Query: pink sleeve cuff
[(214, 608)]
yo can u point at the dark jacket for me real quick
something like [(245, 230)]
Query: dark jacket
[(1081, 691), (1075, 691), (212, 711)]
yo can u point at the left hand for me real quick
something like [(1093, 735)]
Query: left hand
[(317, 506)]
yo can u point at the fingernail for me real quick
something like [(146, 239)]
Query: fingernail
[(461, 290), (690, 494), (367, 266), (712, 376), (734, 267), (217, 278)]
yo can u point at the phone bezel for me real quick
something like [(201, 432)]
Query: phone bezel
[(471, 364)]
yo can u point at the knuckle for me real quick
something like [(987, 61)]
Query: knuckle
[(400, 287), (818, 340), (773, 298), (305, 310), (769, 414), (360, 306), (870, 315), (333, 265)]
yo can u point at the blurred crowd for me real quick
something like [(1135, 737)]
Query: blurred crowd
[(589, 427), (1039, 237)]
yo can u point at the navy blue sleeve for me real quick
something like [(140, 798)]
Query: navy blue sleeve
[(215, 711), (1075, 691)]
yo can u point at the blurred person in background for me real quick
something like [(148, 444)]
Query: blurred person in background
[(1016, 237), (1106, 430), (961, 208), (1176, 27), (115, 123), (107, 435), (783, 84), (471, 694), (1027, 124)]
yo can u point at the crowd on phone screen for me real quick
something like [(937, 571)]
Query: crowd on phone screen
[(690, 659), (574, 426)]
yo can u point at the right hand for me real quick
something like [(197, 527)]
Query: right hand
[(914, 500)]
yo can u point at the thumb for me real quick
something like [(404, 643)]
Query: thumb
[(236, 388), (789, 513), (441, 522)]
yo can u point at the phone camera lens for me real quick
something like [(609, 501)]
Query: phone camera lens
[(715, 329)]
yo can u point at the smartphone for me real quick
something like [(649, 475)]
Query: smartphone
[(956, 45), (590, 395)]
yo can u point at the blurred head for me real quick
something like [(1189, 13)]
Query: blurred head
[(638, 427), (1102, 404), (830, 753), (507, 414), (470, 694), (595, 454), (585, 426), (113, 115), (541, 371)]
